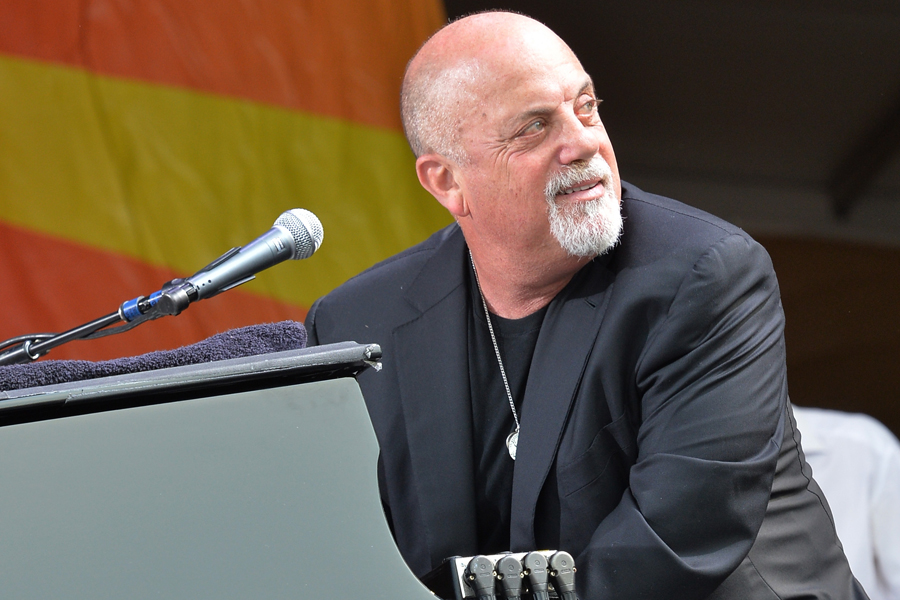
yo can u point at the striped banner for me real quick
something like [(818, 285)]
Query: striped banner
[(141, 140)]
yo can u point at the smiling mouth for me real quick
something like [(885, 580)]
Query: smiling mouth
[(579, 189), (582, 179)]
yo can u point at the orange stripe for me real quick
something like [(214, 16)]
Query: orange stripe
[(343, 59), (51, 285)]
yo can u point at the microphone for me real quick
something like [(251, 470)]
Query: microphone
[(296, 234)]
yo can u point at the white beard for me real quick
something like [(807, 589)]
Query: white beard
[(585, 229)]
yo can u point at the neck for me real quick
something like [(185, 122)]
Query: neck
[(517, 287)]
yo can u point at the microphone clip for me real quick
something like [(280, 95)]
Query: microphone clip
[(171, 299), (174, 297)]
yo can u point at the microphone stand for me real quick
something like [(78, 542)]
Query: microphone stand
[(32, 349), (171, 300)]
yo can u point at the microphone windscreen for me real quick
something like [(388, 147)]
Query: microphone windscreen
[(305, 228)]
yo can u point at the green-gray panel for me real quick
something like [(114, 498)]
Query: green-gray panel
[(263, 494)]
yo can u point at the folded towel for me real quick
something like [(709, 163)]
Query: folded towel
[(236, 343)]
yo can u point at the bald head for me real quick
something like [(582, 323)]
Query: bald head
[(444, 79)]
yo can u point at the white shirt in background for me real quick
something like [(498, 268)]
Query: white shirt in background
[(856, 461)]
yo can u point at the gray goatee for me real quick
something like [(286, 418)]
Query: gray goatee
[(590, 228)]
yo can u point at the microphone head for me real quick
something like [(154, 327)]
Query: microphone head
[(305, 228)]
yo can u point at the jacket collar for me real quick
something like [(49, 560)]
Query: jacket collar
[(432, 370), (563, 349)]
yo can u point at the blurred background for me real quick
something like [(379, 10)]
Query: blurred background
[(140, 140)]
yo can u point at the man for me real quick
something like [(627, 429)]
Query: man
[(550, 383)]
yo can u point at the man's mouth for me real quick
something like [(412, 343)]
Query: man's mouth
[(579, 188), (580, 181)]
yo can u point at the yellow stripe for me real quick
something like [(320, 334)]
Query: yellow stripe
[(176, 177)]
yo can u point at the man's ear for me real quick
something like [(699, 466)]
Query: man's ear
[(439, 176)]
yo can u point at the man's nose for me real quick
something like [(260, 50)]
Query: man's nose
[(579, 141)]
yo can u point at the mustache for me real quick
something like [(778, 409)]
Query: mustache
[(577, 173)]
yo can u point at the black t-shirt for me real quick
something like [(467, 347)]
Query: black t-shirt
[(492, 418)]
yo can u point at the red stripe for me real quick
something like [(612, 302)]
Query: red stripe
[(342, 59)]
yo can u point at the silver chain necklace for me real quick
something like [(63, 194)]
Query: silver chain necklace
[(512, 440)]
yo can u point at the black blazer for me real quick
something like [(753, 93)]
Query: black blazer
[(654, 425)]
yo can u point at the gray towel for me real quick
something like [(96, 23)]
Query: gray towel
[(236, 343)]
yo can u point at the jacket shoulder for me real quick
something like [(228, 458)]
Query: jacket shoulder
[(392, 275), (376, 297), (659, 230), (643, 210)]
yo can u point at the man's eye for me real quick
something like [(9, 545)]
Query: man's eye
[(590, 105), (535, 127)]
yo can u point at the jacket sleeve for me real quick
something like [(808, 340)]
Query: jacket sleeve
[(712, 387)]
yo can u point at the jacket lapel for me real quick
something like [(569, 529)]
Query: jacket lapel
[(563, 348), (433, 379)]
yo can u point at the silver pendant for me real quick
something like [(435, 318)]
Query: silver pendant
[(512, 440)]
